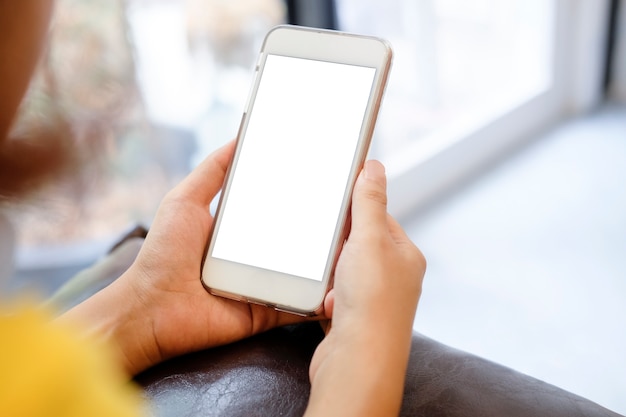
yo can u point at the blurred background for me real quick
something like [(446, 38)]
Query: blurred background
[(503, 131)]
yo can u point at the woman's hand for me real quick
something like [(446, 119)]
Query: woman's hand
[(158, 309), (359, 367)]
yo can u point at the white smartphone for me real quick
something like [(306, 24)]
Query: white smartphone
[(302, 142)]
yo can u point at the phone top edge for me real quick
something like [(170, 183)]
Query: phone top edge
[(327, 31), (385, 45)]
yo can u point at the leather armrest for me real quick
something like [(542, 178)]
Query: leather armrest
[(443, 381), (267, 375)]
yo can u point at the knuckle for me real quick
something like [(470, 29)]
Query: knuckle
[(376, 195), (417, 263)]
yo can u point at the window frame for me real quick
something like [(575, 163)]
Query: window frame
[(319, 13), (417, 177)]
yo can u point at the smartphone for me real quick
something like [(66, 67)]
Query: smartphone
[(304, 135)]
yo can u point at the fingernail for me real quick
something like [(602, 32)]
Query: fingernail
[(373, 170)]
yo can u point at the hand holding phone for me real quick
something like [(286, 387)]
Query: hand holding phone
[(372, 305), (302, 141)]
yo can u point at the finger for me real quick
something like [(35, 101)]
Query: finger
[(329, 304), (329, 307), (203, 183), (326, 325), (369, 199)]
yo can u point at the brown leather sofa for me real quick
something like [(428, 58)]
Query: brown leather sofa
[(267, 375)]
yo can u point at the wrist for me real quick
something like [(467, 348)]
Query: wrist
[(361, 375), (113, 316)]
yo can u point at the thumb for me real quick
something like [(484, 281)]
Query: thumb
[(203, 183), (369, 198)]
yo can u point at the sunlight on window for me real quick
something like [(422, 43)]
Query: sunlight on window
[(456, 61)]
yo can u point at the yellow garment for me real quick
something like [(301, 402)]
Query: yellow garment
[(47, 370)]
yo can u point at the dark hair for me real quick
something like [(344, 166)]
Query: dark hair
[(78, 102), (31, 159)]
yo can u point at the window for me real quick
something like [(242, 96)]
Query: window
[(471, 79), (455, 59), (458, 65), (169, 78)]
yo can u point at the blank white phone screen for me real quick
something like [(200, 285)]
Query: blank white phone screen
[(285, 197)]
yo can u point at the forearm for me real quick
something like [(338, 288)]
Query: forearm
[(112, 317), (362, 379)]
